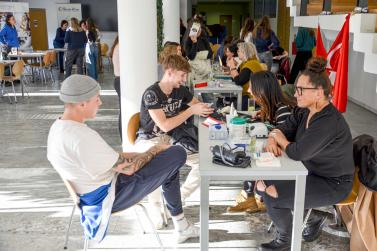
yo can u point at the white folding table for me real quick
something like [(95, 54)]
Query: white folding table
[(289, 170)]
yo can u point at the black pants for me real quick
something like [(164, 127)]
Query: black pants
[(319, 192), (162, 170), (362, 3), (299, 64), (117, 89), (72, 55)]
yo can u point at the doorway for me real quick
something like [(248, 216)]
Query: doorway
[(38, 28), (226, 20)]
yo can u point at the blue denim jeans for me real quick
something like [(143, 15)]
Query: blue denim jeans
[(266, 58), (91, 61)]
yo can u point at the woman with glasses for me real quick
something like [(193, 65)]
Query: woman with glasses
[(318, 135), (275, 107)]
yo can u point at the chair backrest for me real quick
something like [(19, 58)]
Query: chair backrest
[(18, 68), (104, 49), (71, 191), (2, 69), (133, 127), (351, 198), (46, 58), (52, 57)]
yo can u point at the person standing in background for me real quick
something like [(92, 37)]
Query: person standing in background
[(115, 57), (265, 40), (8, 35), (246, 33), (305, 42), (59, 42), (76, 40), (91, 49)]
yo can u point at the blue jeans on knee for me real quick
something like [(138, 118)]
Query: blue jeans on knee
[(162, 170)]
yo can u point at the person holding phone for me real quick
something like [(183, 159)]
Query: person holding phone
[(196, 40)]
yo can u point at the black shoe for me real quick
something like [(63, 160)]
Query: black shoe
[(276, 245), (312, 231)]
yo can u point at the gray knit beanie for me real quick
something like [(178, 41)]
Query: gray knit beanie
[(78, 88)]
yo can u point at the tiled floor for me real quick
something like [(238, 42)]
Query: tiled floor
[(35, 206)]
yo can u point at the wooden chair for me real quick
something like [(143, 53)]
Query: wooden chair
[(264, 66), (76, 202), (133, 127), (17, 70), (48, 60), (105, 53)]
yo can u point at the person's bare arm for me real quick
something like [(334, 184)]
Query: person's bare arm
[(167, 124)]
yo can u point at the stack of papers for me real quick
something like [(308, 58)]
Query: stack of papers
[(266, 159)]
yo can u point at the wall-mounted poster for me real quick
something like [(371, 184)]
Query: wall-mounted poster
[(21, 13), (67, 11)]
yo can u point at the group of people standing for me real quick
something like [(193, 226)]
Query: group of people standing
[(83, 42)]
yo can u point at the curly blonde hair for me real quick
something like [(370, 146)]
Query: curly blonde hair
[(249, 50)]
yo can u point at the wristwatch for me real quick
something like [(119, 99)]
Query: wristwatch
[(233, 69)]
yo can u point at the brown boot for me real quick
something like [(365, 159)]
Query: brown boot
[(249, 205), (261, 205)]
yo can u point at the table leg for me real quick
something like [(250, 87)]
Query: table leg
[(239, 101), (204, 213), (298, 213)]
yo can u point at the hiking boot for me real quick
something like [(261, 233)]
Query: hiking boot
[(249, 205)]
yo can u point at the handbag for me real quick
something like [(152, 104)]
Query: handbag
[(186, 135)]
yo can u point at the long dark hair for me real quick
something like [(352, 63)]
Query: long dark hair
[(248, 27), (116, 41), (316, 71), (9, 16), (264, 27), (268, 94), (90, 25)]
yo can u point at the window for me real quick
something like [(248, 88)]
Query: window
[(264, 8)]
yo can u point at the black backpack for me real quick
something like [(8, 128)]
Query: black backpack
[(365, 157)]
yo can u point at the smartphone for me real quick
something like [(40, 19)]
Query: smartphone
[(194, 29)]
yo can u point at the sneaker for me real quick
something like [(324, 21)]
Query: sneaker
[(312, 231), (325, 13), (360, 10), (249, 205), (190, 232), (276, 245)]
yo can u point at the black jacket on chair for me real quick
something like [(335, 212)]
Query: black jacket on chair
[(365, 157)]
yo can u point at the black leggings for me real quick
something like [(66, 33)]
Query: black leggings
[(319, 192)]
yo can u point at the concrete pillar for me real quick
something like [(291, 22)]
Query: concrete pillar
[(170, 10), (185, 10), (138, 55)]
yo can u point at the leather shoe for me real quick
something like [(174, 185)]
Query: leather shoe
[(276, 245), (312, 231)]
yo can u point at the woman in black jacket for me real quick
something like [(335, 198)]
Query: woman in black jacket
[(197, 42), (318, 135), (59, 42)]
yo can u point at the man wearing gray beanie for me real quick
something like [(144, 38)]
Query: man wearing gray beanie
[(107, 181)]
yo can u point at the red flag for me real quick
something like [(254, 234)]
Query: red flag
[(320, 50), (337, 62)]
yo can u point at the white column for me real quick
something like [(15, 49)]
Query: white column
[(170, 10), (185, 10), (137, 25)]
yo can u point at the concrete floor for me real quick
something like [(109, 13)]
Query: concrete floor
[(35, 206)]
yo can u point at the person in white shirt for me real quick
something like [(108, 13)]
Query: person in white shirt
[(107, 181)]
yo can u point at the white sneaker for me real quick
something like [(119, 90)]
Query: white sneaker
[(190, 232)]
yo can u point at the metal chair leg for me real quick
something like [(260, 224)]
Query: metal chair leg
[(86, 244), (14, 91), (270, 226), (165, 212), (69, 226), (138, 219), (152, 225)]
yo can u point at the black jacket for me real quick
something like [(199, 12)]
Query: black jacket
[(365, 157)]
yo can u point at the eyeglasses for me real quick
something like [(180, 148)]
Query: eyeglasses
[(299, 89)]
